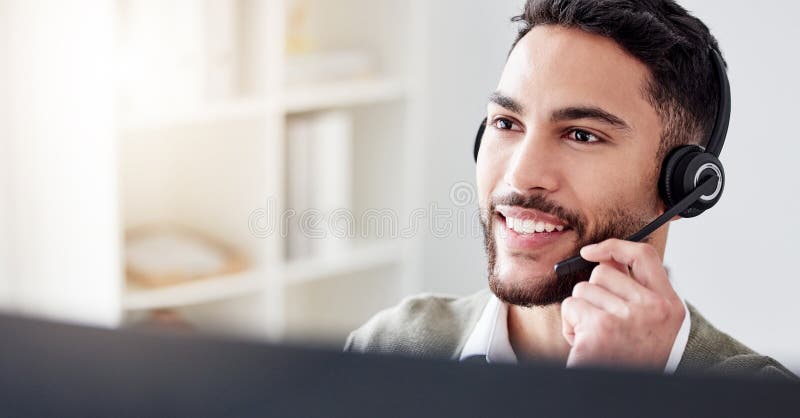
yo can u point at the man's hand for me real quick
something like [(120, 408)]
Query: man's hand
[(627, 313)]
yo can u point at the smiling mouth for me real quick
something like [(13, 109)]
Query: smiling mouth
[(530, 222), (522, 235)]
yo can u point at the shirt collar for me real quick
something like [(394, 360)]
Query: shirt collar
[(489, 338)]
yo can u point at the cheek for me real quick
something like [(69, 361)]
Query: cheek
[(600, 189), (600, 185), (487, 175)]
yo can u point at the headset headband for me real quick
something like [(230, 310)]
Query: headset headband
[(717, 139)]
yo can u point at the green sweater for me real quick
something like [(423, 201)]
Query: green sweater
[(433, 326)]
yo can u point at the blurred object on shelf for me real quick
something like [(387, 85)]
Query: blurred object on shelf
[(177, 54), (163, 319), (321, 66), (166, 254), (299, 134), (168, 318), (222, 49), (320, 156), (332, 182), (298, 35)]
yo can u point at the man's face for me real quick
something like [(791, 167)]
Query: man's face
[(571, 142)]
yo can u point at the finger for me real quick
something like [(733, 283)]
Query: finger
[(573, 311), (601, 298), (620, 284), (622, 268), (644, 261)]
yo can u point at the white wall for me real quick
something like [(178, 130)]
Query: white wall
[(734, 263), (469, 41)]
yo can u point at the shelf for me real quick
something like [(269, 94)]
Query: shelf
[(352, 261), (223, 111), (311, 97), (190, 293), (240, 284), (300, 98)]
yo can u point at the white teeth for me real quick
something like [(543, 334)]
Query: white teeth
[(529, 226), (511, 223)]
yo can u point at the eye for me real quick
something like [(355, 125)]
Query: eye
[(503, 124), (579, 135)]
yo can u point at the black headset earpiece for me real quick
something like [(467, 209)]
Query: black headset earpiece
[(477, 146), (683, 169)]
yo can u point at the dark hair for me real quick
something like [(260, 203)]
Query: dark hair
[(673, 44)]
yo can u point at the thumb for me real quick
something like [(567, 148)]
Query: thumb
[(568, 331)]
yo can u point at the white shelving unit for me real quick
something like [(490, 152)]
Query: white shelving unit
[(211, 163)]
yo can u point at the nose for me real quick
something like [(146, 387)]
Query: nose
[(533, 165)]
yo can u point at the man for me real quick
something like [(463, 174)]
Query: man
[(594, 94)]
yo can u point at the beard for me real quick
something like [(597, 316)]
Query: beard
[(550, 289)]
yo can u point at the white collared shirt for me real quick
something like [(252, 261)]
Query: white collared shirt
[(490, 337)]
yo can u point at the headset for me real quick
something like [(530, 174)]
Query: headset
[(692, 177)]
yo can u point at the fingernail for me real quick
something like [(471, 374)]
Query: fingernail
[(590, 247)]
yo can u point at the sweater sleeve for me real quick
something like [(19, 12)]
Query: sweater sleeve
[(712, 351)]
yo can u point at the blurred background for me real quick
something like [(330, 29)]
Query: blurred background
[(283, 169)]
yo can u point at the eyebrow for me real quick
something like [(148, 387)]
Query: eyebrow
[(565, 114), (506, 102), (589, 112)]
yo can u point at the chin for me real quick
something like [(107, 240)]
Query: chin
[(524, 267), (520, 280)]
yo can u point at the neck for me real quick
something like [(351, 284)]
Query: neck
[(535, 333)]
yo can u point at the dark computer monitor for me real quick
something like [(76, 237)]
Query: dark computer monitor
[(49, 369)]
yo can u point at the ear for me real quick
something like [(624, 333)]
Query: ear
[(663, 208)]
